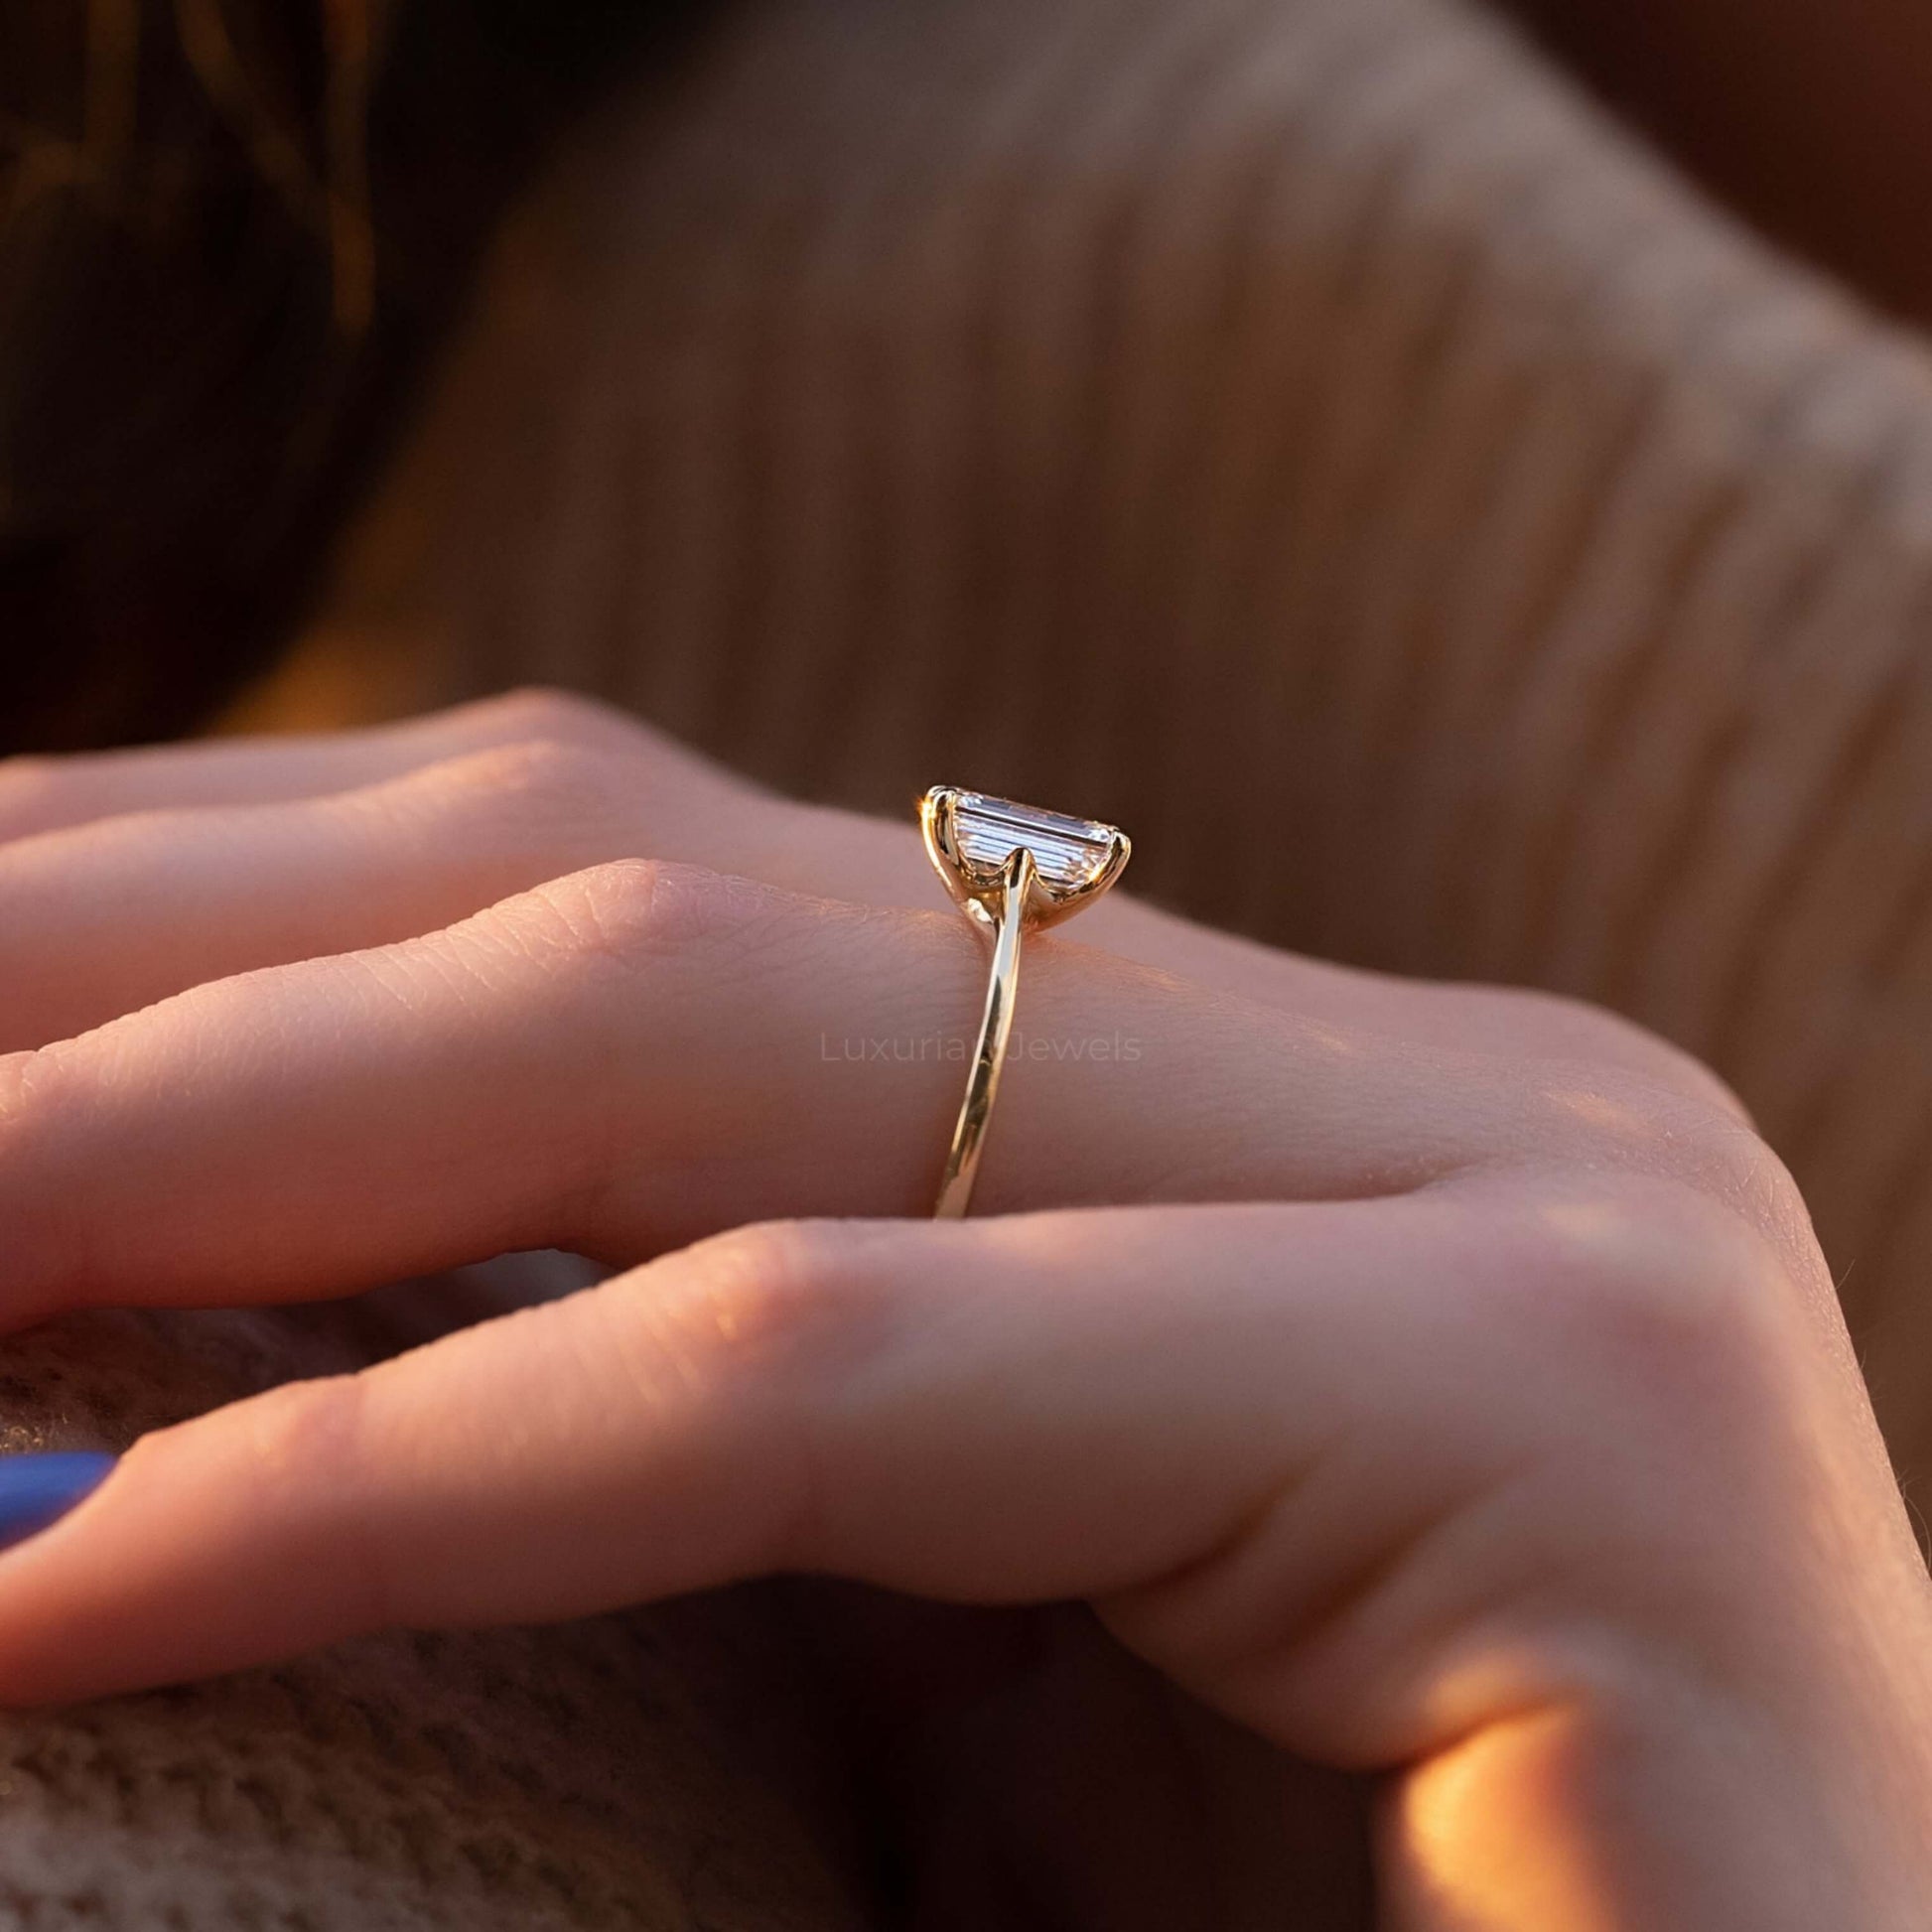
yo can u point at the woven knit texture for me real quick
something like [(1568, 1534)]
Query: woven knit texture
[(593, 1776), (1300, 413)]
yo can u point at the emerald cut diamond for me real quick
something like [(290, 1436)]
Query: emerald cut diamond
[(971, 837), (1070, 853)]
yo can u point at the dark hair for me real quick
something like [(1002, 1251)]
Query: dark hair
[(231, 231)]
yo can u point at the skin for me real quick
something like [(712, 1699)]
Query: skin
[(1433, 1385)]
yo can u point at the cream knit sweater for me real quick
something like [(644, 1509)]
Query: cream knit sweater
[(1445, 543), (1319, 421)]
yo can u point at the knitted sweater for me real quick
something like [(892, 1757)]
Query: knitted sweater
[(1358, 470), (1446, 543)]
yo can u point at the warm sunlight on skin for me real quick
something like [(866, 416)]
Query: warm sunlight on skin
[(1445, 1388), (1614, 1116), (1486, 1837), (1585, 1223)]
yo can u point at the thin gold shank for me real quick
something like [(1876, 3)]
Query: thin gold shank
[(1007, 899), (988, 1057)]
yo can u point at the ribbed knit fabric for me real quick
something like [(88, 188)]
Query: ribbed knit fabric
[(582, 1777), (1295, 413), (1206, 414)]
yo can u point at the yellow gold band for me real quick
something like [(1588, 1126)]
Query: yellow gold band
[(1008, 867), (983, 1085)]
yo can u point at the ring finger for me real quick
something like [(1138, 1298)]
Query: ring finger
[(214, 860), (639, 1055)]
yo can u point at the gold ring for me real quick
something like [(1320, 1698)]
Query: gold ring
[(1013, 869)]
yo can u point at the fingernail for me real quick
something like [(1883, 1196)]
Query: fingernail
[(36, 1490)]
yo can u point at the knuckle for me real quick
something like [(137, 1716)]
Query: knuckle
[(1625, 1123), (29, 789), (539, 712), (776, 1299), (48, 1230), (300, 1427), (1745, 1175), (543, 784), (772, 1332), (1679, 1303), (644, 909), (1597, 1033), (309, 1440)]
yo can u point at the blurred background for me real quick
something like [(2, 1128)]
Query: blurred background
[(1456, 479), (234, 234)]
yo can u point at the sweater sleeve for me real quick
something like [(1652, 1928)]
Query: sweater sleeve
[(1352, 462)]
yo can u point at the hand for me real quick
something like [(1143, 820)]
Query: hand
[(1435, 1382)]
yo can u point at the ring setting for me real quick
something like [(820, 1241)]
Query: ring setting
[(1013, 869)]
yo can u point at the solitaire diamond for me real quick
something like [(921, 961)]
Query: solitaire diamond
[(1072, 853), (1012, 870)]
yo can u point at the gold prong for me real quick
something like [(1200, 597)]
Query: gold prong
[(1008, 897)]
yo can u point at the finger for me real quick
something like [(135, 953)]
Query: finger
[(808, 849), (628, 1058), (178, 865), (119, 913), (998, 1411), (115, 916), (44, 794), (1237, 1429)]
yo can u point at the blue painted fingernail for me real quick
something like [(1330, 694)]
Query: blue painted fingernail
[(36, 1490)]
